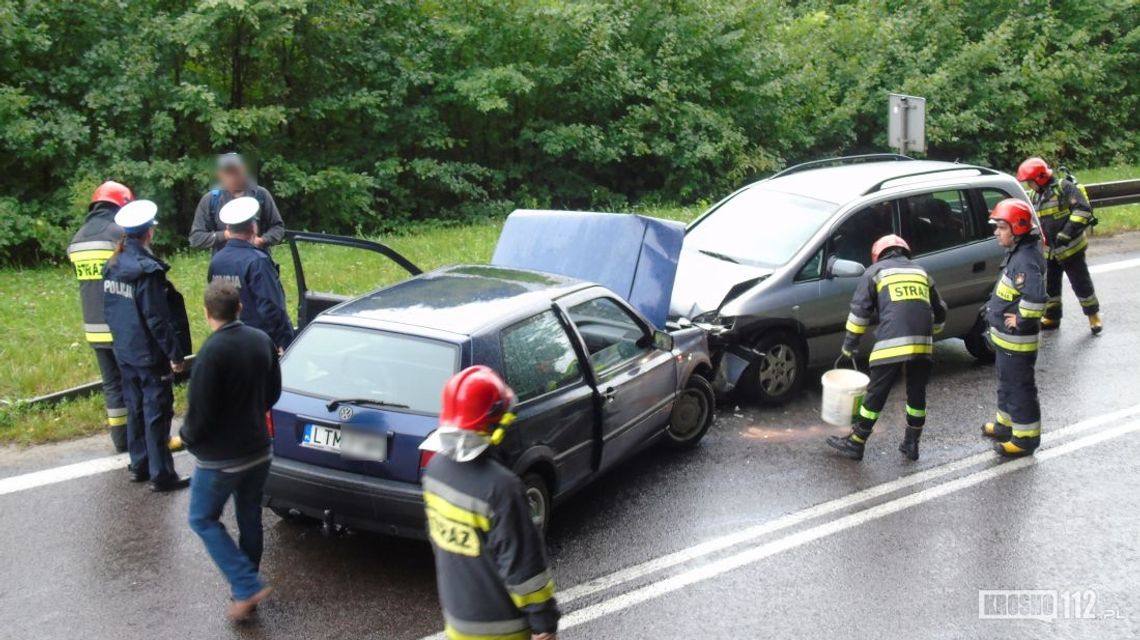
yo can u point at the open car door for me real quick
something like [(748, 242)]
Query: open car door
[(326, 253)]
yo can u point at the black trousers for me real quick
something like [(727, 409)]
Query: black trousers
[(149, 392), (113, 395), (1019, 409), (1077, 268), (883, 377)]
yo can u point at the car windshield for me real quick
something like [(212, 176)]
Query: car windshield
[(330, 361), (758, 227)]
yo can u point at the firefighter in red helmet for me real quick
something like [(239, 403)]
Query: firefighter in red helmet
[(1065, 212), (1014, 314), (493, 577), (92, 245), (910, 312)]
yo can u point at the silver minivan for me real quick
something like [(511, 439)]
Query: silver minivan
[(770, 270)]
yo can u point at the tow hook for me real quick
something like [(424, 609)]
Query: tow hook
[(329, 528)]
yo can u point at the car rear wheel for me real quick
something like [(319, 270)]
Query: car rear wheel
[(777, 375), (538, 497), (978, 344), (692, 414)]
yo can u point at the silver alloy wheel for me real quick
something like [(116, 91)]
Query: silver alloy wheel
[(690, 412), (778, 370), (537, 502)]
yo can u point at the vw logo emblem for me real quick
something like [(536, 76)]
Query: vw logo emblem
[(345, 413)]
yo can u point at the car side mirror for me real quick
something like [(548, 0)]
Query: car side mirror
[(839, 268), (663, 341)]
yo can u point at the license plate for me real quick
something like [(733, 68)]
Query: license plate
[(349, 444)]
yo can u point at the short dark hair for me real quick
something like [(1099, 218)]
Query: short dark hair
[(223, 302), (243, 228)]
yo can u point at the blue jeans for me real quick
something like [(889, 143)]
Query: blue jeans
[(209, 492)]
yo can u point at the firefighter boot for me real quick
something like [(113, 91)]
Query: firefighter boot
[(1011, 450), (1050, 323), (850, 446), (909, 446), (1095, 325), (998, 432)]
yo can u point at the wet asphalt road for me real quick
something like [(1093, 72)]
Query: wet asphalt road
[(99, 558)]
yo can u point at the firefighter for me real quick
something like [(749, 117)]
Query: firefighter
[(910, 312), (1014, 313), (89, 250), (253, 272), (493, 577), (1064, 212), (147, 319), (208, 232)]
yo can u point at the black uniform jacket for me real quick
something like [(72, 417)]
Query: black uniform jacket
[(146, 315), (493, 576), (252, 271), (1021, 291), (89, 250), (909, 308)]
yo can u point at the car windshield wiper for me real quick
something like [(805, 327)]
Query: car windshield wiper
[(371, 402), (719, 256)]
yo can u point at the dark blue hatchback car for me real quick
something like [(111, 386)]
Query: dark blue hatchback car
[(595, 383)]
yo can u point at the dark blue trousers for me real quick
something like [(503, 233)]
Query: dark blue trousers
[(149, 394)]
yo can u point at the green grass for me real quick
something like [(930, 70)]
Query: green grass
[(42, 348)]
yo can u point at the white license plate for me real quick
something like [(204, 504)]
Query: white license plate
[(349, 444)]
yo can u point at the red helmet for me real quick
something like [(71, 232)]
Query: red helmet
[(1034, 169), (475, 399), (886, 242), (113, 192), (1017, 213)]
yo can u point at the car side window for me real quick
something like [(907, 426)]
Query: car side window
[(936, 221), (812, 269), (538, 356), (611, 335), (854, 237)]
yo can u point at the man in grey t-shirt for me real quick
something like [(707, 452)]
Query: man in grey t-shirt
[(208, 232)]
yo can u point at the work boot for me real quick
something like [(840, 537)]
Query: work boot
[(846, 446), (1095, 325), (998, 432), (1010, 450), (1049, 324), (173, 484), (175, 443), (137, 475), (909, 446)]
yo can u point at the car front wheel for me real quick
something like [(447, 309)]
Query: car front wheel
[(778, 373), (692, 414)]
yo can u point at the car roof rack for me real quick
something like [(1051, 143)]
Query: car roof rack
[(815, 164), (878, 186)]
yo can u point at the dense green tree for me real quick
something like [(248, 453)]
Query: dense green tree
[(366, 115)]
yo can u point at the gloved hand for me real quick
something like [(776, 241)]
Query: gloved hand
[(847, 353)]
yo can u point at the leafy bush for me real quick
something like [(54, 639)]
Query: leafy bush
[(374, 115)]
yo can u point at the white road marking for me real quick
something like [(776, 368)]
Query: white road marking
[(1119, 265), (755, 532), (55, 475), (768, 549)]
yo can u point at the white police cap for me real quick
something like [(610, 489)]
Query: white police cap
[(137, 216), (239, 210)]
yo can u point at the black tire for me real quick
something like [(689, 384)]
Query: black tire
[(692, 414), (777, 376), (538, 497), (978, 345)]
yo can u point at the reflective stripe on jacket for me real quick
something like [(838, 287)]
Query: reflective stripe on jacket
[(1063, 207), (1020, 290), (89, 250), (907, 304), (493, 577)]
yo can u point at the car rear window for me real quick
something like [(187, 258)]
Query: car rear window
[(331, 361), (759, 227)]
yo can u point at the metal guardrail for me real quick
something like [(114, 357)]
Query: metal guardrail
[(1101, 195)]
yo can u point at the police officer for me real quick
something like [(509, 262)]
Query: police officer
[(209, 232), (1014, 314), (1064, 212), (89, 250), (493, 577), (147, 321), (910, 312), (252, 271)]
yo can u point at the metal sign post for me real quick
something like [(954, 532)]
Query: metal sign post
[(906, 128)]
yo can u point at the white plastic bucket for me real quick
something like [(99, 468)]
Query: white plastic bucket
[(843, 391)]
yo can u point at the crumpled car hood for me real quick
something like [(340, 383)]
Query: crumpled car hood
[(703, 281)]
